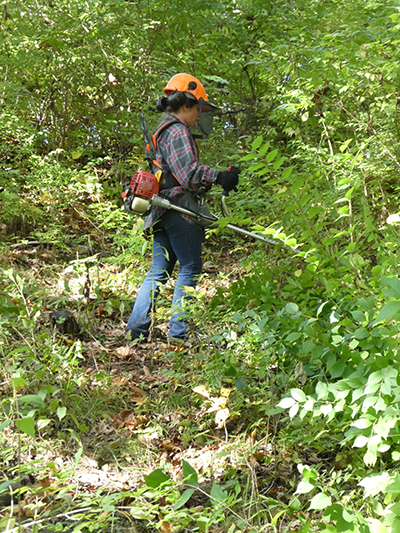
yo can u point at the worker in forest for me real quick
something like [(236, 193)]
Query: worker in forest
[(176, 237)]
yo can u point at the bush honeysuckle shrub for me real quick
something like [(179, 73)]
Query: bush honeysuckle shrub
[(360, 384)]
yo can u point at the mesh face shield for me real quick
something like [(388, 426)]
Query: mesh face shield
[(207, 112)]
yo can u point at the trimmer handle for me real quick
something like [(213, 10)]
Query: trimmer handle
[(226, 193)]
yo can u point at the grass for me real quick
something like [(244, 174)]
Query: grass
[(86, 418)]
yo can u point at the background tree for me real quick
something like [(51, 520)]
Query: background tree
[(308, 96)]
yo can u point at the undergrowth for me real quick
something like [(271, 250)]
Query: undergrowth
[(280, 416)]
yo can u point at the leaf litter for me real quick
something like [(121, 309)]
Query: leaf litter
[(125, 444)]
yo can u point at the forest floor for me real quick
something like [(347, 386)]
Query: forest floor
[(135, 408)]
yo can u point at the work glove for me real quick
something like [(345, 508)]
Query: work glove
[(228, 179)]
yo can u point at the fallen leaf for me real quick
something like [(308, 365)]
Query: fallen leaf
[(166, 527), (119, 381), (121, 417), (101, 310), (216, 404), (203, 390), (127, 419), (138, 400), (168, 445), (221, 417), (123, 352), (146, 372), (178, 348), (136, 391), (300, 374)]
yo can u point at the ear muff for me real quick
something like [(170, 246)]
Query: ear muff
[(176, 100), (162, 104)]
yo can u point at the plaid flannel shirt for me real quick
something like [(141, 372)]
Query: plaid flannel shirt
[(177, 148)]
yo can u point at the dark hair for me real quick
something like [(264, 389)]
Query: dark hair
[(175, 101)]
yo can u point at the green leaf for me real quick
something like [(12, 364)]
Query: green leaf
[(156, 478), (344, 146), (240, 383), (78, 455), (4, 424), (361, 334), (304, 487), (286, 173), (189, 473), (26, 425), (248, 157), (394, 287), (61, 412), (274, 521), (186, 495), (389, 310), (217, 492), (291, 308), (279, 162), (337, 369), (359, 316), (375, 526), (286, 403), (296, 185), (76, 154), (264, 149), (18, 382), (360, 441), (4, 486), (256, 166), (294, 336), (320, 501), (33, 399), (269, 157), (322, 390), (141, 513), (375, 484), (257, 142), (362, 423), (298, 395)]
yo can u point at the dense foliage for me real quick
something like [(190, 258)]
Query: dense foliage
[(295, 385)]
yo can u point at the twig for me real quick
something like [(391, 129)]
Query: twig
[(327, 136), (366, 126), (35, 522), (29, 243), (224, 505)]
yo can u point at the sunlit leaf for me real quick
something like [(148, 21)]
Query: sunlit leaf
[(320, 501), (26, 425), (189, 473), (156, 478)]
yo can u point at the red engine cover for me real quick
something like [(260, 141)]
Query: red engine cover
[(144, 184)]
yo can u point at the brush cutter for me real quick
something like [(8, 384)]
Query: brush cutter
[(142, 193)]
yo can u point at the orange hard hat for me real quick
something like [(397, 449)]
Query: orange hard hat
[(187, 84)]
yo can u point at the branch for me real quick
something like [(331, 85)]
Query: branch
[(366, 127)]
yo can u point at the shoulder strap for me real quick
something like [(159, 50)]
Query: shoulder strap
[(159, 131), (169, 179), (151, 141)]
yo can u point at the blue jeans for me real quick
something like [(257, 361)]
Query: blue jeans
[(174, 240)]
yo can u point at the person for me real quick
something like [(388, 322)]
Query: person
[(176, 237)]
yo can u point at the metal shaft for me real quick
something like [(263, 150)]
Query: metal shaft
[(166, 204)]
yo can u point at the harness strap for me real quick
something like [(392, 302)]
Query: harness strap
[(169, 179)]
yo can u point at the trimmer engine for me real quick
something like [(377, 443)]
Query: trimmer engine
[(138, 193)]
